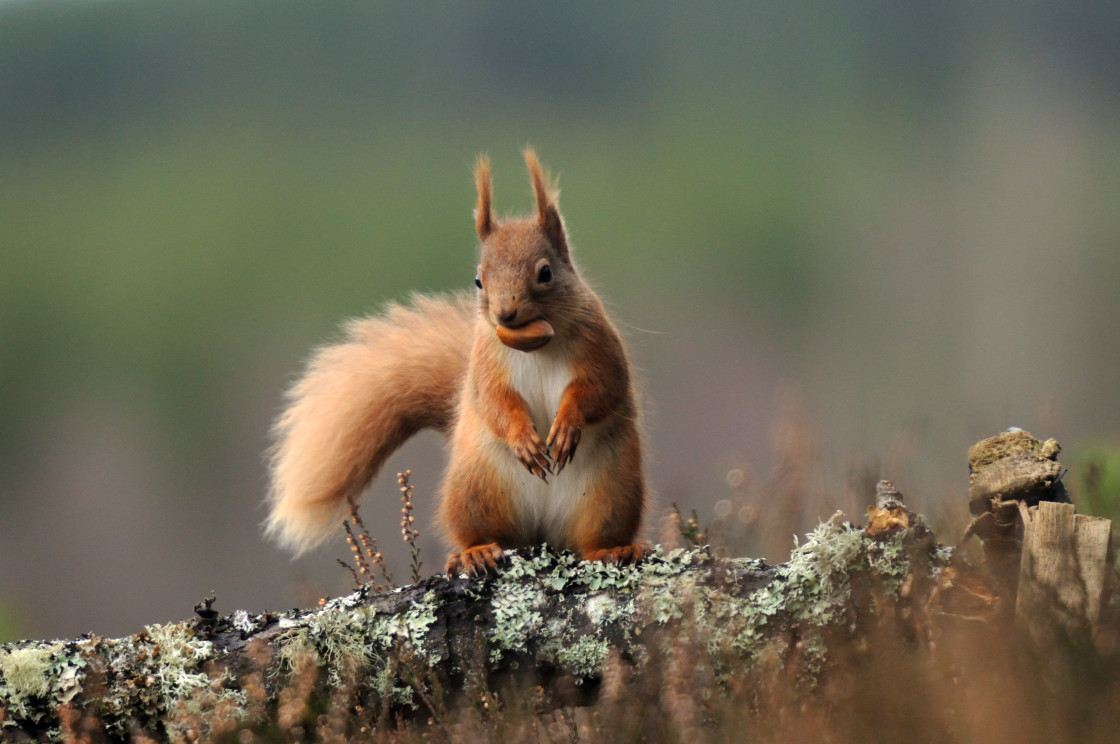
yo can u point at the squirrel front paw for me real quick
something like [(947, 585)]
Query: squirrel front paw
[(562, 441), (531, 451)]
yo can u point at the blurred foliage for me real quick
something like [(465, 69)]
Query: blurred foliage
[(183, 178), (1099, 480), (10, 626)]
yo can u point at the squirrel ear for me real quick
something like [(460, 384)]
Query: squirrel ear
[(548, 214), (483, 216)]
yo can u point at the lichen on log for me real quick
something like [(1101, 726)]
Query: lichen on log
[(546, 616)]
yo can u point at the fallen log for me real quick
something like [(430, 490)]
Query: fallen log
[(547, 618), (548, 631)]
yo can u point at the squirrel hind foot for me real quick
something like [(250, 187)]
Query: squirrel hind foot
[(623, 554), (476, 560)]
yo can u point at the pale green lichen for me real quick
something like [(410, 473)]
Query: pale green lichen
[(890, 562), (516, 608), (590, 592), (25, 670), (608, 576), (667, 606), (417, 622), (604, 609), (294, 646), (818, 573), (351, 640), (385, 681), (161, 673), (178, 673), (340, 639), (809, 592), (584, 658), (35, 679), (27, 674)]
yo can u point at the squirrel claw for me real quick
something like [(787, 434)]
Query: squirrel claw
[(535, 463), (533, 454), (563, 440), (476, 561)]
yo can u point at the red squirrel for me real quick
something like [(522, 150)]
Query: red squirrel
[(529, 381)]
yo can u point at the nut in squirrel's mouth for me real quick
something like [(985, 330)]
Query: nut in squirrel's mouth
[(528, 336)]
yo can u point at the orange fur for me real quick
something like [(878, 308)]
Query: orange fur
[(548, 214), (545, 444), (358, 401), (483, 213)]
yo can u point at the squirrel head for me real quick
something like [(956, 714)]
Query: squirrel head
[(525, 273)]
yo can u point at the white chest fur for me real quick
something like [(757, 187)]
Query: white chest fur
[(545, 509), (540, 377)]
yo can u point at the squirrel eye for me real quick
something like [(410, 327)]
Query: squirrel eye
[(477, 282), (544, 276)]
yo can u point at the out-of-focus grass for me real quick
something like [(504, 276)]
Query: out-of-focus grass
[(1098, 481), (10, 626)]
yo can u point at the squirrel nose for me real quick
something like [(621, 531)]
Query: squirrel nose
[(506, 316)]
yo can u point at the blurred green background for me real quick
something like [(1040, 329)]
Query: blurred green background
[(843, 239)]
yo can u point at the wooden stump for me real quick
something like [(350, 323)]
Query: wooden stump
[(1056, 563), (1063, 575)]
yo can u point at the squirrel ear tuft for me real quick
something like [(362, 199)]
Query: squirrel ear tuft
[(483, 215), (548, 214)]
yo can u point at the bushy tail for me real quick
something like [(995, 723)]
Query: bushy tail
[(357, 402)]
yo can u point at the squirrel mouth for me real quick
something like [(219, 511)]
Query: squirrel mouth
[(528, 336)]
